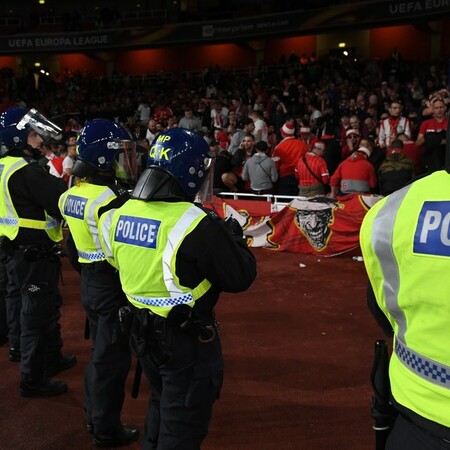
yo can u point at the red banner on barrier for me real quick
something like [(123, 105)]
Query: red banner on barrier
[(319, 226)]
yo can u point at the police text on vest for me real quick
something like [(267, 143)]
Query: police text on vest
[(432, 236), (137, 231), (74, 206)]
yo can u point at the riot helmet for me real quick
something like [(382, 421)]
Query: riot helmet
[(17, 123), (177, 167), (104, 146)]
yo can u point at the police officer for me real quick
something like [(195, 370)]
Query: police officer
[(174, 259), (31, 227), (405, 242), (105, 151)]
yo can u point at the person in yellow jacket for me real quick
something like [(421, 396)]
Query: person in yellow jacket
[(405, 242), (105, 153), (30, 228), (174, 259)]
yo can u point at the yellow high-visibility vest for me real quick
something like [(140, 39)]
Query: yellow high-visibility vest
[(10, 222), (141, 239), (405, 242), (79, 206)]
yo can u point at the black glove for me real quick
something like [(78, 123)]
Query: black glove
[(234, 227)]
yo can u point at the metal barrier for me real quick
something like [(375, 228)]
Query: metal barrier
[(278, 202)]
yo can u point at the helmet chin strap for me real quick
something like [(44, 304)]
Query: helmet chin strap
[(34, 152), (156, 183)]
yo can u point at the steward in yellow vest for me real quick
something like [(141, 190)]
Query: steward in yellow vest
[(174, 259), (405, 242), (30, 226), (104, 150)]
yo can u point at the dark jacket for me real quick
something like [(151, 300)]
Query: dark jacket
[(395, 172), (33, 190)]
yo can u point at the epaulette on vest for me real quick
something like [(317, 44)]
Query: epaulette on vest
[(209, 212), (120, 191), (31, 160)]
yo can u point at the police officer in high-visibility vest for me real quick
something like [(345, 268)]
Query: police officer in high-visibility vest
[(105, 153), (405, 242), (174, 258), (30, 225)]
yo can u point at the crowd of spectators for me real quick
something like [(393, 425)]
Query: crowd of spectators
[(345, 105)]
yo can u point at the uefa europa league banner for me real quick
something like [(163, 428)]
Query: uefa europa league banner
[(319, 226)]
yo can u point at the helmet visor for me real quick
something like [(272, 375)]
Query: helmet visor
[(125, 165), (205, 193), (40, 124)]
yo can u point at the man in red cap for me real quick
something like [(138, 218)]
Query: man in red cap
[(286, 154), (306, 136), (351, 142)]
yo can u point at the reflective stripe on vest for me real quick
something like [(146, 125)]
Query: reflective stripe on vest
[(30, 223), (422, 366), (91, 256), (382, 232), (187, 298), (92, 222)]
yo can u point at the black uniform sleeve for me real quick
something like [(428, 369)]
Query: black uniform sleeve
[(211, 251), (33, 185), (377, 313), (227, 261), (71, 252)]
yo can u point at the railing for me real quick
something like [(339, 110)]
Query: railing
[(278, 202)]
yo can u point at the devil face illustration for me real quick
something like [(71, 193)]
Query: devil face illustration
[(313, 219)]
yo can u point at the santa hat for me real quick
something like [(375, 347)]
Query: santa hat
[(320, 145), (364, 150), (287, 130), (305, 130), (351, 131)]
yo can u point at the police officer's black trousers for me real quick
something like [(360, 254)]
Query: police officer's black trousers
[(407, 435), (3, 320), (40, 334), (110, 360), (13, 301), (184, 390)]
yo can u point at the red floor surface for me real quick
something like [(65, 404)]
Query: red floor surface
[(298, 353)]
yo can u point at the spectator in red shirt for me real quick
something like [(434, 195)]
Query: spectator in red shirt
[(312, 172), (432, 135), (162, 113), (286, 154), (355, 174)]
